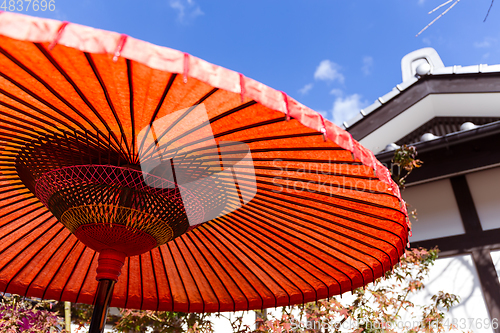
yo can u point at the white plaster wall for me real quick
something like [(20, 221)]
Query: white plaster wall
[(437, 210), (458, 275), (485, 189), (223, 325)]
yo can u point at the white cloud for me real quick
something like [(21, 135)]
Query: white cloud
[(328, 71), (336, 92), (367, 65), (305, 89), (186, 9), (426, 41), (421, 2), (485, 43), (344, 108)]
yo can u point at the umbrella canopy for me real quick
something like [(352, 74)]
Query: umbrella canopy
[(108, 142)]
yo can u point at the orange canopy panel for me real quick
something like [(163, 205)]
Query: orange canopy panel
[(311, 213)]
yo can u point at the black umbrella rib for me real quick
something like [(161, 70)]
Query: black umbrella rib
[(246, 214), (310, 171), (22, 122), (245, 226), (131, 102), (306, 226), (156, 282), (75, 243), (342, 216), (252, 126), (185, 114), (212, 120), (208, 138), (283, 198), (358, 201), (86, 275), (46, 85), (43, 232), (19, 134), (222, 235), (142, 283), (307, 160), (233, 110), (19, 191), (174, 243), (45, 262), (257, 150), (22, 225), (191, 236), (308, 222), (128, 281), (21, 184), (163, 96), (160, 251), (108, 100), (30, 106), (157, 109), (209, 240), (337, 196), (179, 275), (181, 239), (261, 257), (80, 93), (310, 181), (19, 201), (72, 271)]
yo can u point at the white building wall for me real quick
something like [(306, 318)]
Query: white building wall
[(485, 189), (437, 210), (458, 275)]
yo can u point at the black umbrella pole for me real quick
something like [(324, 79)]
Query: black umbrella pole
[(103, 298), (109, 266)]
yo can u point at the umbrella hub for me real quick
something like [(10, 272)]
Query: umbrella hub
[(102, 237), (105, 202)]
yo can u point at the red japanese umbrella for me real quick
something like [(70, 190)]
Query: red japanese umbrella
[(143, 177)]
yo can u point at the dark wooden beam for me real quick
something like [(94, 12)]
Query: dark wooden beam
[(465, 203), (489, 282), (462, 244), (453, 158)]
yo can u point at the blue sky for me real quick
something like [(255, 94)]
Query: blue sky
[(334, 56)]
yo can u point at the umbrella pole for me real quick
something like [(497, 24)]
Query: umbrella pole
[(104, 293), (110, 263)]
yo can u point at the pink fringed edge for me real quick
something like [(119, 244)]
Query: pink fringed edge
[(34, 29)]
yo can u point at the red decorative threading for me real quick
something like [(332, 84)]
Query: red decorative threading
[(56, 180), (186, 67), (100, 236), (58, 35), (323, 129), (285, 98), (242, 87), (119, 47)]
